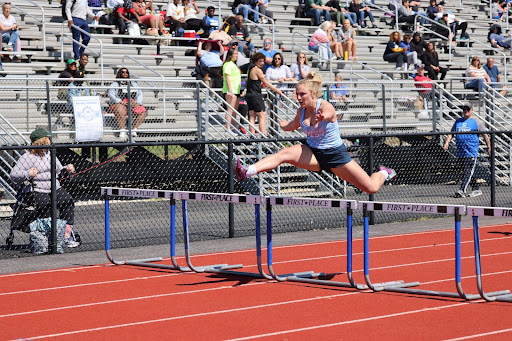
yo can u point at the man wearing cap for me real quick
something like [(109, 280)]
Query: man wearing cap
[(35, 166), (454, 23), (467, 149), (210, 21)]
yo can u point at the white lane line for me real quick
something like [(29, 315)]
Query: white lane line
[(349, 322), (481, 335)]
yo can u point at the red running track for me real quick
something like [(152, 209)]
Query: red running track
[(107, 302)]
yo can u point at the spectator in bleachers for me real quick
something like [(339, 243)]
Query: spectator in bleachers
[(423, 83), (394, 53), (300, 69), (339, 13), (75, 88), (407, 15), (498, 7), (141, 11), (316, 9), (442, 30), (338, 94), (254, 98), (232, 83), (261, 7), (175, 16), (239, 8), (494, 75), (432, 9), (347, 37), (455, 23), (477, 72), (394, 4), (68, 72), (412, 56), (497, 38), (77, 13), (9, 30), (279, 72), (268, 52), (362, 13), (419, 46), (432, 63), (118, 95), (336, 46), (210, 21), (82, 63), (239, 32), (319, 43), (210, 61), (121, 17), (191, 12)]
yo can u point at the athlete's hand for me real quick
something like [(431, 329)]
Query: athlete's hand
[(282, 124), (320, 115)]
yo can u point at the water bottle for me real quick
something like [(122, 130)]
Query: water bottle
[(345, 55), (356, 143)]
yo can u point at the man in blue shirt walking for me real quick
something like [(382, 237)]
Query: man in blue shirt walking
[(467, 149)]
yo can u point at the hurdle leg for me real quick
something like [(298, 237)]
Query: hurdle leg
[(286, 277), (489, 297), (107, 241), (204, 268), (377, 286)]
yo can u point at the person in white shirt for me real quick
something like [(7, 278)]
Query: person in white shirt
[(175, 15), (77, 13), (9, 29), (191, 12), (455, 23)]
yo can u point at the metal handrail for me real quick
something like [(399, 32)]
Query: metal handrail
[(261, 26), (42, 21), (79, 43)]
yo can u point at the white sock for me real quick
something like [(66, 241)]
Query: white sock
[(251, 170), (383, 171)]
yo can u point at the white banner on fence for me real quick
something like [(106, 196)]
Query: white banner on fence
[(88, 118)]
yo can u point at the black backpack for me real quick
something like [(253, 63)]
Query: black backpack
[(63, 3)]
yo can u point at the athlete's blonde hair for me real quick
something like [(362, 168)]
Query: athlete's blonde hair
[(313, 82)]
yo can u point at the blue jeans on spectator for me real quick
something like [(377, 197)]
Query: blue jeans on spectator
[(352, 17), (250, 47), (84, 25), (364, 14), (242, 10), (10, 37), (398, 57), (476, 84), (317, 15)]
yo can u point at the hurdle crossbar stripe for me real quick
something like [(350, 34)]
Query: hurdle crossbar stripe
[(136, 193), (421, 208), (476, 212), (219, 197), (312, 202)]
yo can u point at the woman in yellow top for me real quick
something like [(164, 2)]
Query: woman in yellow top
[(394, 53), (232, 83)]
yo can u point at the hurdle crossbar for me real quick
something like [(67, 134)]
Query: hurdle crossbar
[(455, 210), (476, 212)]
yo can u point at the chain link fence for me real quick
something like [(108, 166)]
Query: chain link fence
[(426, 174)]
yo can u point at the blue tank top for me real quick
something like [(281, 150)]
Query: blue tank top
[(326, 136)]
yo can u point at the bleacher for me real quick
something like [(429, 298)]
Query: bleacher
[(43, 59)]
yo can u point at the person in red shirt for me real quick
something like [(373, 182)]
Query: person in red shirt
[(423, 83)]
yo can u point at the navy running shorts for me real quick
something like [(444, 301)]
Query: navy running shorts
[(332, 157), (255, 103)]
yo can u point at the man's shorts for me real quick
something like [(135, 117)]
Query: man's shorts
[(332, 157)]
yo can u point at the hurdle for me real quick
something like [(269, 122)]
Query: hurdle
[(476, 212), (225, 198), (455, 210), (348, 205), (108, 192)]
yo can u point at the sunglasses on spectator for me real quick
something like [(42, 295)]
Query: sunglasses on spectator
[(267, 43), (124, 71)]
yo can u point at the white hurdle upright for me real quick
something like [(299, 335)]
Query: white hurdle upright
[(455, 210), (347, 205), (475, 212)]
